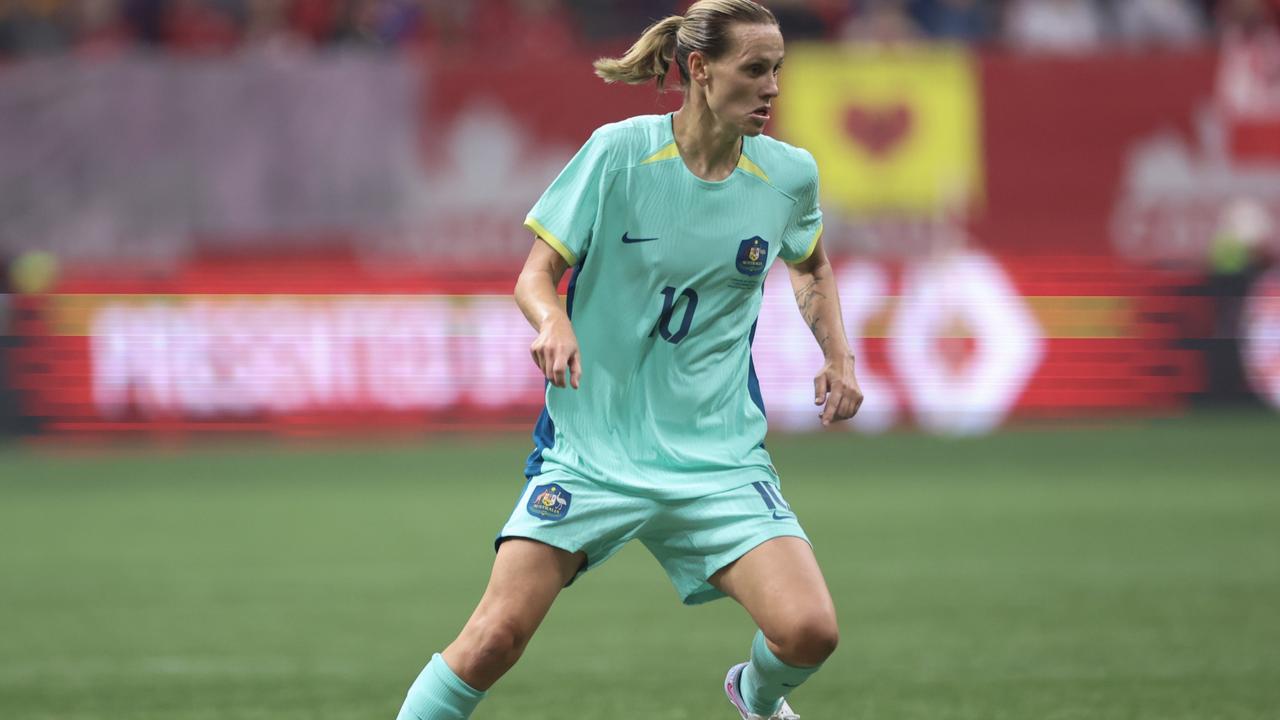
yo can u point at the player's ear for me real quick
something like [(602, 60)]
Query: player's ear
[(698, 68)]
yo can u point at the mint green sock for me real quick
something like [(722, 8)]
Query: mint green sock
[(766, 679), (438, 694)]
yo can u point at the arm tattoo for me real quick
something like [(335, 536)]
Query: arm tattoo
[(809, 299)]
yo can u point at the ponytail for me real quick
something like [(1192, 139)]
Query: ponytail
[(703, 28), (650, 57)]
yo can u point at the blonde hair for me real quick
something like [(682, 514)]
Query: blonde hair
[(703, 28)]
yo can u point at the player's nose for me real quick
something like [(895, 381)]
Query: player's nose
[(770, 89)]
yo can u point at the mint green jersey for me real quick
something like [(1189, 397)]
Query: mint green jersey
[(666, 289)]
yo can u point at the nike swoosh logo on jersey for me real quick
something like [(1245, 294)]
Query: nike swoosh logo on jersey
[(629, 240), (776, 516)]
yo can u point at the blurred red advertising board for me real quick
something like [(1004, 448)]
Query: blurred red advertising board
[(956, 345)]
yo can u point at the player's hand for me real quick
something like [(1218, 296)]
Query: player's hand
[(837, 389), (555, 352)]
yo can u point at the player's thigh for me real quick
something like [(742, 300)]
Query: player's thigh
[(527, 576), (781, 586)]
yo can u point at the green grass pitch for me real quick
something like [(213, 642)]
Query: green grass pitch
[(1122, 572)]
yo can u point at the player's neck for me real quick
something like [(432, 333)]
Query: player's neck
[(709, 150)]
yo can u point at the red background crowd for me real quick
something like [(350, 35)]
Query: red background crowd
[(531, 27)]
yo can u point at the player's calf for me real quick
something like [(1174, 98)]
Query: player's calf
[(760, 686)]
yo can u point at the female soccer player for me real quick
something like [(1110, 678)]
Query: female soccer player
[(654, 425)]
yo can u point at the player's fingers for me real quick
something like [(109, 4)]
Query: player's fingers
[(558, 368), (575, 370), (539, 359), (829, 412), (857, 402), (819, 388), (844, 402), (848, 406)]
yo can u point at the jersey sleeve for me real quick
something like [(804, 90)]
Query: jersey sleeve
[(802, 233), (566, 212)]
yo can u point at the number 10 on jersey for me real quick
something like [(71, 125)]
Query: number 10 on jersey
[(669, 301)]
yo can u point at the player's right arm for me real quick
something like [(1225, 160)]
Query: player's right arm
[(555, 350)]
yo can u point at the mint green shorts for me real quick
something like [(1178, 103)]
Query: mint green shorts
[(691, 539)]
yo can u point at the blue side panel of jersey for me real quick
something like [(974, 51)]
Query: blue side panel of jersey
[(544, 437), (753, 382), (573, 284), (544, 432)]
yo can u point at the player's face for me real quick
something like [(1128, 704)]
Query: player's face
[(743, 83)]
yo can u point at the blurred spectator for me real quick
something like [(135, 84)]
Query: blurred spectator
[(968, 21), (1054, 25), (440, 25), (100, 28), (146, 19), (834, 13), (1175, 23), (881, 21), (267, 27), (198, 28), (379, 23), (802, 19), (315, 20), (620, 20), (1246, 17), (521, 28), (33, 27)]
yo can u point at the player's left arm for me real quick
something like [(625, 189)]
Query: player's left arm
[(834, 386)]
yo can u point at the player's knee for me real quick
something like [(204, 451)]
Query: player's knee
[(498, 642), (809, 640)]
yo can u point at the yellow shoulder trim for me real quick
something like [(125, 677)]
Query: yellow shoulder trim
[(537, 228), (666, 153), (745, 163), (812, 245)]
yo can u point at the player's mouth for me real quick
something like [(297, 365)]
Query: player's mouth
[(761, 113)]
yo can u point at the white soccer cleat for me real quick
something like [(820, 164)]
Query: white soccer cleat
[(731, 681)]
